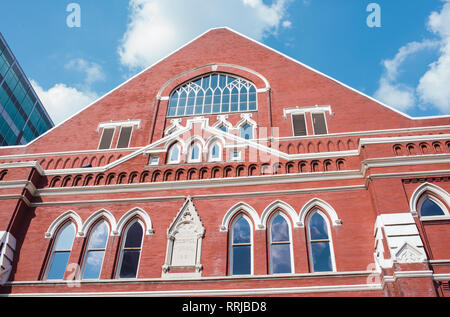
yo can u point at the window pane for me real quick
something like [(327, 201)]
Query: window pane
[(195, 152), (130, 263), (279, 230), (321, 256), (105, 142), (241, 260), (319, 123), (58, 267), (174, 154), (215, 151), (318, 227), (241, 231), (281, 258), (93, 265), (134, 236), (98, 236), (430, 208), (299, 125), (65, 238), (247, 132), (124, 137)]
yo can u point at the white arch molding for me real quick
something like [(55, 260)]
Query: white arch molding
[(427, 187), (241, 206), (322, 205), (280, 205), (102, 213), (139, 214), (76, 219)]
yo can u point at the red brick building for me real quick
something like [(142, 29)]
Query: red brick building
[(228, 168)]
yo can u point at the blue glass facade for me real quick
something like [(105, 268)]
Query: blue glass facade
[(22, 115)]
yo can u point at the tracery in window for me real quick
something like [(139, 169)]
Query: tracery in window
[(212, 94), (60, 254)]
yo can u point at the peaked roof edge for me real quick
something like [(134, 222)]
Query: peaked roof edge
[(244, 36)]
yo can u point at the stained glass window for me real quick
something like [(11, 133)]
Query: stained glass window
[(212, 94)]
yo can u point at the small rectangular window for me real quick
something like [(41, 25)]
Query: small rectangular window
[(299, 124), (107, 136), (124, 137), (320, 126), (154, 160)]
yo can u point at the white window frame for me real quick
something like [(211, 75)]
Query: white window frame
[(170, 161), (330, 240), (124, 238), (325, 119), (438, 202), (231, 244), (83, 267), (292, 124), (189, 153), (291, 254), (101, 138), (52, 253), (129, 140), (218, 159)]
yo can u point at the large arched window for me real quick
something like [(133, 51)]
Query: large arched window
[(430, 206), (59, 256), (95, 250), (212, 94), (241, 246), (320, 248), (279, 245), (131, 250)]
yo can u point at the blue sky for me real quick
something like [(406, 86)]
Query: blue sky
[(405, 62)]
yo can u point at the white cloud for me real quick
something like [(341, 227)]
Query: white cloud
[(433, 86), (92, 71), (399, 96), (157, 27), (62, 101)]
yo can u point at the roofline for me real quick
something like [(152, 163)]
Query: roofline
[(254, 41)]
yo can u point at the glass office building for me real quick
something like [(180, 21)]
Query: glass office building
[(22, 115)]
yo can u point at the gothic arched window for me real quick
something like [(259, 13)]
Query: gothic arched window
[(279, 245), (320, 249), (174, 154), (95, 251), (431, 206), (131, 250), (212, 94), (241, 246), (59, 256)]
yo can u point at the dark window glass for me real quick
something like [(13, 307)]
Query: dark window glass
[(124, 137), (319, 124), (299, 125), (131, 251), (430, 208), (61, 252), (107, 136), (247, 131)]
